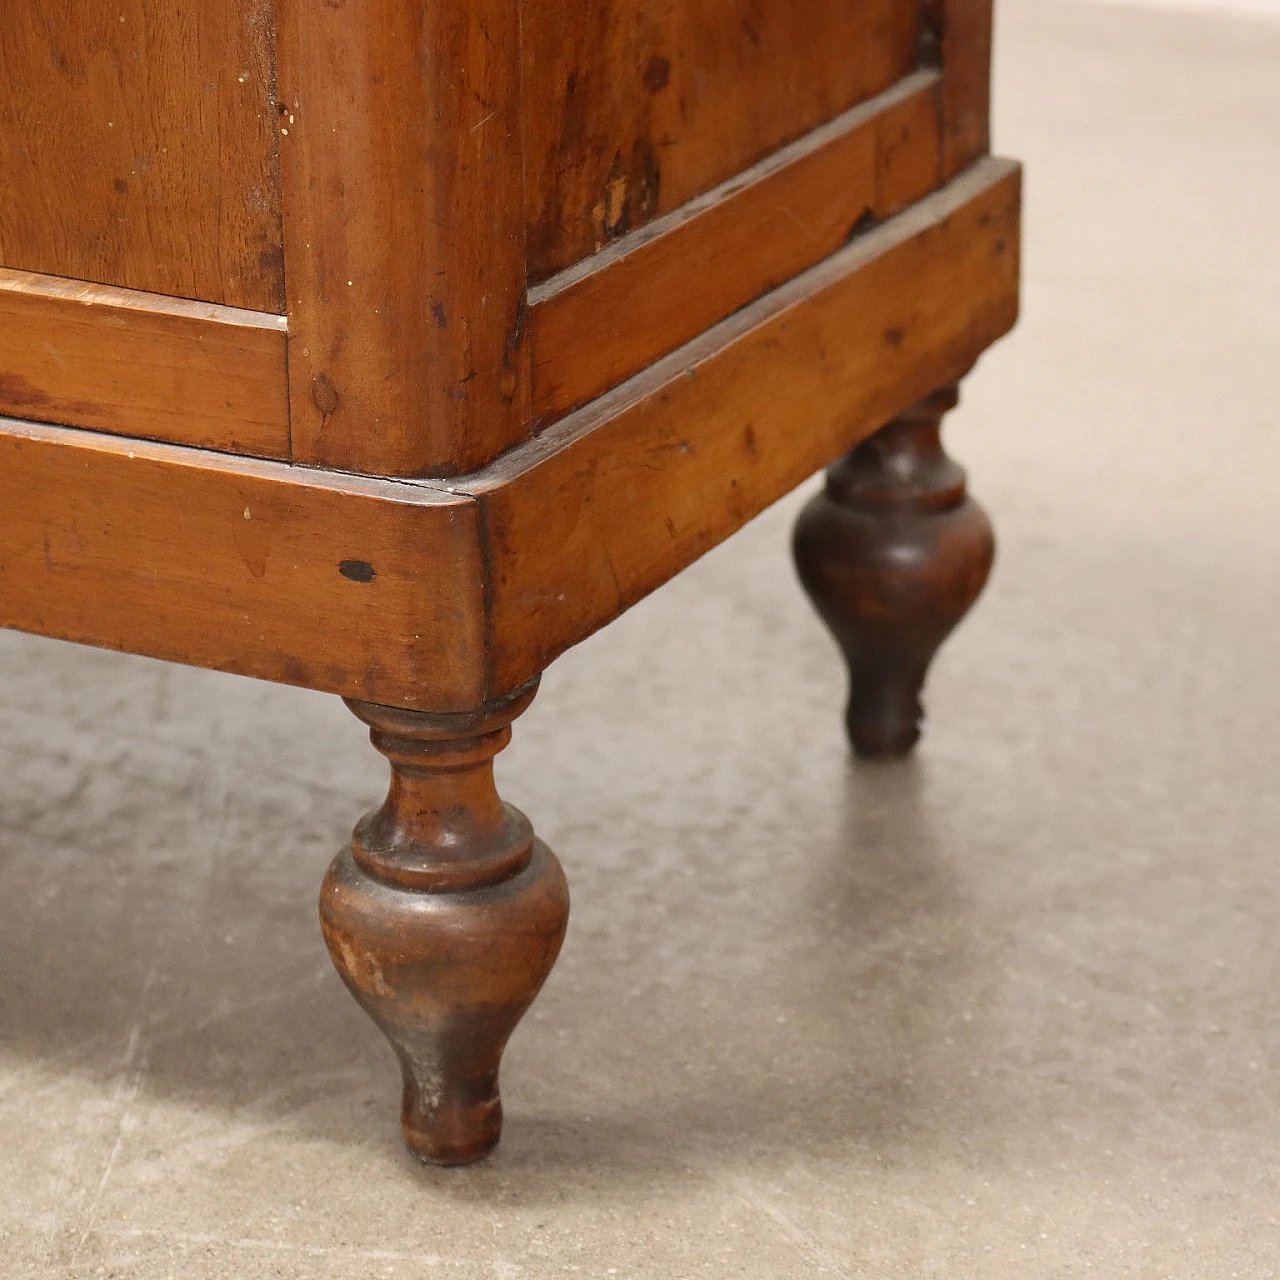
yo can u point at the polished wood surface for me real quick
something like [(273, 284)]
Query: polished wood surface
[(444, 918), (142, 364), (601, 321), (413, 209), (635, 107), (893, 554), (404, 240), (574, 290), (361, 587), (608, 505), (957, 35), (138, 146), (479, 583)]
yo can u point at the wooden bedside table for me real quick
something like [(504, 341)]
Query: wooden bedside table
[(391, 348)]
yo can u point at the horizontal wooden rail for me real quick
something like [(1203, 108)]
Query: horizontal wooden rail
[(140, 364), (368, 588), (608, 504), (609, 316), (439, 595)]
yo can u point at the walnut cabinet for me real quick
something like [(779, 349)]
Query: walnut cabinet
[(392, 347)]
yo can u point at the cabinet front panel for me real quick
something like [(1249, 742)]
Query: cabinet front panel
[(634, 107), (138, 146)]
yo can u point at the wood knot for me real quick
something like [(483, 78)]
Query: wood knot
[(324, 394)]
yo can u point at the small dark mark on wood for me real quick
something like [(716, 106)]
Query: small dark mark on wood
[(894, 337), (357, 570), (657, 75), (295, 672), (324, 394), (930, 43), (271, 260), (437, 310), (866, 220)]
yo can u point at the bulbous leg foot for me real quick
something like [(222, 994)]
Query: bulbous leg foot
[(444, 918), (893, 553)]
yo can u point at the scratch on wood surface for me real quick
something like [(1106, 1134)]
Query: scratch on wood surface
[(613, 573)]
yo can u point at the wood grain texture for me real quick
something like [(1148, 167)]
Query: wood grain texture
[(604, 319), (137, 146), (360, 587), (439, 597), (444, 916), (404, 238), (615, 500), (143, 365), (961, 39), (634, 107)]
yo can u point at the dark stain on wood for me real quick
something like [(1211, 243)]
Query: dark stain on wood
[(324, 394), (657, 75), (865, 221), (357, 570), (19, 393), (711, 87)]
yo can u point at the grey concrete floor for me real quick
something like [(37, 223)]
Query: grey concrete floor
[(1011, 1009)]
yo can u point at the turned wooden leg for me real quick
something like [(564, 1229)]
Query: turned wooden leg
[(444, 918), (893, 553)]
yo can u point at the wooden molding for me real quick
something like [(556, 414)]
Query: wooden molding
[(144, 365), (437, 595), (611, 502), (609, 316), (368, 588)]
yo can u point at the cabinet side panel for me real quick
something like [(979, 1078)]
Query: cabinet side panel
[(635, 107), (138, 146)]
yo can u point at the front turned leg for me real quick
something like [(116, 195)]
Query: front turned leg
[(444, 918), (893, 553)]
